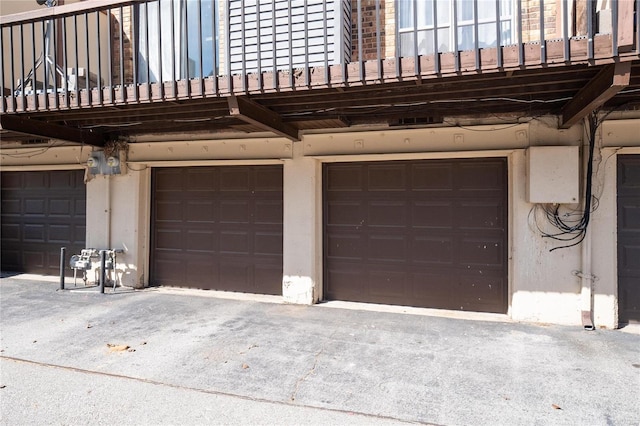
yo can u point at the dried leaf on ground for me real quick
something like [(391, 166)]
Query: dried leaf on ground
[(117, 348)]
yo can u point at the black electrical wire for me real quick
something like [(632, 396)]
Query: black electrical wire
[(574, 230)]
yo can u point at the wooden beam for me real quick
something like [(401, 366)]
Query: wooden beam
[(599, 90), (42, 129), (253, 113)]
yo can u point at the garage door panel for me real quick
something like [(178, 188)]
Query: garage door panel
[(440, 235), (269, 277), (481, 252), (433, 214), (172, 270), (61, 180), (628, 204), (344, 213), (10, 258), (268, 180), (170, 180), (10, 233), (629, 256), (168, 239), (41, 212), (268, 212), (34, 207), (386, 213), (12, 181), (433, 250), (235, 275), (234, 242), (168, 211), (229, 226), (11, 206), (35, 180), (345, 178), (486, 215), (199, 267), (475, 176), (387, 248), (234, 179), (33, 232), (435, 177), (59, 233), (480, 289), (202, 240), (344, 282), (345, 246), (203, 211), (60, 207), (387, 285), (35, 258), (629, 215), (629, 297), (78, 238), (268, 243), (236, 211), (629, 175), (199, 180), (387, 177)]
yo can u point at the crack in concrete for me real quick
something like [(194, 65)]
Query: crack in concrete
[(311, 370)]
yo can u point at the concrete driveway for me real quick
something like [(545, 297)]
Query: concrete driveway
[(159, 356)]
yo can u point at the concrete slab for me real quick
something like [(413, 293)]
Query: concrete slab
[(190, 355)]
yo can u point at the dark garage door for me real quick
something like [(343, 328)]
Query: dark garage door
[(218, 228), (418, 233), (629, 238), (41, 212)]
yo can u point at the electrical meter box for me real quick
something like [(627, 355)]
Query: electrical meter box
[(553, 174)]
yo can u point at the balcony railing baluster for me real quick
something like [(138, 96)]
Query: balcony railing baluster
[(65, 65), (77, 60), (99, 71), (309, 42), (87, 76), (23, 97), (498, 35), (543, 42)]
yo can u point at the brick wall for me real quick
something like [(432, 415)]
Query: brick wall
[(369, 29), (126, 35), (531, 20)]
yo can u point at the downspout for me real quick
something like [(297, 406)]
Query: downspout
[(586, 278), (586, 281)]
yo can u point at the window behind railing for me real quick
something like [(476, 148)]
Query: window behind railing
[(177, 39), (455, 22)]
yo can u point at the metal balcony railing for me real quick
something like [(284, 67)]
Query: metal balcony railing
[(110, 52)]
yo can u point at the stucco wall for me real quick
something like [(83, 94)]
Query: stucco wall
[(543, 286)]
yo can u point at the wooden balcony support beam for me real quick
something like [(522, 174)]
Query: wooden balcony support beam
[(251, 112), (42, 129), (604, 86)]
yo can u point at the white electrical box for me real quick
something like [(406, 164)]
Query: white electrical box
[(553, 174)]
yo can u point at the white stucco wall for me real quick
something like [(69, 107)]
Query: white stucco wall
[(543, 286)]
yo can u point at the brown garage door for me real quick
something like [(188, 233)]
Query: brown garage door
[(41, 212), (417, 233), (629, 238), (218, 228)]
